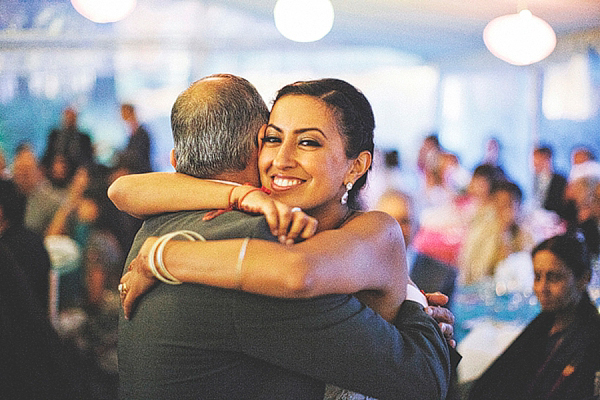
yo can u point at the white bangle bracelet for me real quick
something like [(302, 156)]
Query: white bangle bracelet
[(159, 270), (190, 235), (151, 261), (238, 266)]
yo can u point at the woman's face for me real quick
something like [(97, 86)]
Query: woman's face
[(302, 158), (554, 284)]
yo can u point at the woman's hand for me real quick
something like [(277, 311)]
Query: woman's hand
[(138, 279), (289, 224)]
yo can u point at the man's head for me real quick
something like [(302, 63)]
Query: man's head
[(581, 154), (484, 178), (26, 172), (215, 123), (399, 205), (507, 197), (128, 113), (69, 117), (542, 159)]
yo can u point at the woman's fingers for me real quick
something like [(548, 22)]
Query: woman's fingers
[(124, 288), (285, 215), (310, 228), (260, 203), (133, 285), (272, 217), (138, 279), (302, 226), (285, 222)]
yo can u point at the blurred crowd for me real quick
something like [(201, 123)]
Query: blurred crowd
[(65, 244), (470, 235), (465, 224)]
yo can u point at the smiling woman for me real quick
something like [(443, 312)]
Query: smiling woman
[(304, 156)]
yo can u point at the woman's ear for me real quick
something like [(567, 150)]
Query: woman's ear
[(173, 159), (359, 167)]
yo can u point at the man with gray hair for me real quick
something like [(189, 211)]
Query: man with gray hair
[(195, 341)]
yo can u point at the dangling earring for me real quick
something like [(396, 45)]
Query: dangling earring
[(345, 195)]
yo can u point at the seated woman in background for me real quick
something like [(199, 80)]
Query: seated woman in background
[(558, 354)]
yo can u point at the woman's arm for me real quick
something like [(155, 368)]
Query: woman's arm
[(143, 195), (366, 254)]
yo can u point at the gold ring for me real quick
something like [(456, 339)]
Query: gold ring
[(122, 289)]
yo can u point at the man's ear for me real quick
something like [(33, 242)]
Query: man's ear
[(173, 159), (359, 166), (261, 135)]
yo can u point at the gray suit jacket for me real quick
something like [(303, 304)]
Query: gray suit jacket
[(199, 342)]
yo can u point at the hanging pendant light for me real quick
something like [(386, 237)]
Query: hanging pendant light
[(519, 39), (104, 11), (303, 20)]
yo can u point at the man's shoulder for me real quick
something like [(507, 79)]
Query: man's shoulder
[(142, 130), (231, 224)]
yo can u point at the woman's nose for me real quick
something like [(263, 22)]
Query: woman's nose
[(284, 157)]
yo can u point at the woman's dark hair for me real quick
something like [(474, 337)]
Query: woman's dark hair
[(489, 173), (510, 187), (354, 115), (571, 250)]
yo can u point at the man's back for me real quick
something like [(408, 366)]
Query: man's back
[(195, 341), (186, 341)]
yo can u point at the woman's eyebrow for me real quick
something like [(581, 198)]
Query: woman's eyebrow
[(274, 127), (298, 131)]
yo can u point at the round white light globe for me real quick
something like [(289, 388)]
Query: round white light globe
[(303, 20), (519, 39), (103, 11)]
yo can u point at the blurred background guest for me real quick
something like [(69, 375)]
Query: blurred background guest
[(548, 186), (26, 246), (582, 194), (492, 155), (583, 163), (494, 233), (135, 158), (558, 354), (42, 198), (400, 206), (69, 142)]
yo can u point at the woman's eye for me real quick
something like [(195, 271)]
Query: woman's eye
[(310, 143), (270, 139)]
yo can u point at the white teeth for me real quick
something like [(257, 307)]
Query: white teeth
[(284, 182)]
